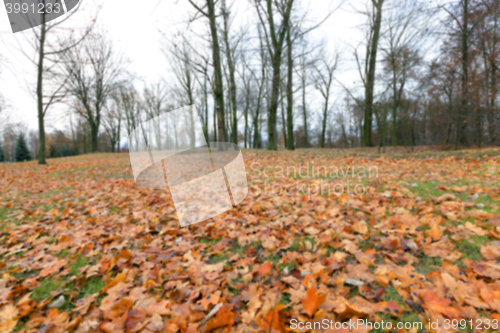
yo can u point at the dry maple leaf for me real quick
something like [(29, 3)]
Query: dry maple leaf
[(439, 305), (490, 252), (265, 269), (52, 267), (312, 301), (391, 308), (273, 323), (223, 318)]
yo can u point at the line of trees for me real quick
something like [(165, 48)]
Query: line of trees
[(428, 76)]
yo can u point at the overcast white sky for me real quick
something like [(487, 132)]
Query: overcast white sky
[(134, 27)]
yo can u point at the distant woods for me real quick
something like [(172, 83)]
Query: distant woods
[(422, 73)]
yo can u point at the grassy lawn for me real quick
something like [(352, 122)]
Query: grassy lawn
[(420, 231)]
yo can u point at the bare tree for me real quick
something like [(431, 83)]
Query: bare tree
[(305, 66), (186, 78), (260, 83), (93, 73), (462, 29), (231, 46), (367, 71), (128, 101), (208, 10), (47, 57), (489, 42), (247, 96), (406, 26), (324, 81), (275, 38), (112, 121)]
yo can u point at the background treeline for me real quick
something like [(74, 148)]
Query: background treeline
[(424, 73)]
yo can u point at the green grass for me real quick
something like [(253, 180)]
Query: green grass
[(482, 240), (45, 288), (274, 258), (217, 258), (427, 264), (295, 246), (63, 253), (488, 202), (237, 248), (469, 250), (297, 242), (21, 324), (4, 214), (409, 316), (113, 210), (54, 192), (89, 287), (291, 266), (209, 241), (426, 189), (25, 275), (285, 299), (79, 263), (366, 244), (92, 286), (391, 294)]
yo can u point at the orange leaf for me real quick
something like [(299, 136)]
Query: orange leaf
[(312, 301), (391, 308), (272, 323), (435, 233), (224, 317), (439, 305), (210, 299), (119, 278), (265, 269)]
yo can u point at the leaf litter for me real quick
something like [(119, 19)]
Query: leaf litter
[(83, 249)]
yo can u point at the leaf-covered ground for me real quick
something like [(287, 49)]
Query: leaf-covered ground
[(83, 249)]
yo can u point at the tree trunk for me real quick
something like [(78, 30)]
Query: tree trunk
[(276, 59), (219, 85), (246, 127), (283, 120), (192, 131), (94, 129), (273, 107), (232, 80), (220, 122), (256, 136), (344, 136), (491, 114), (370, 80), (462, 119), (323, 131), (119, 135), (289, 93), (216, 123), (39, 93), (394, 101), (304, 113), (205, 100)]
